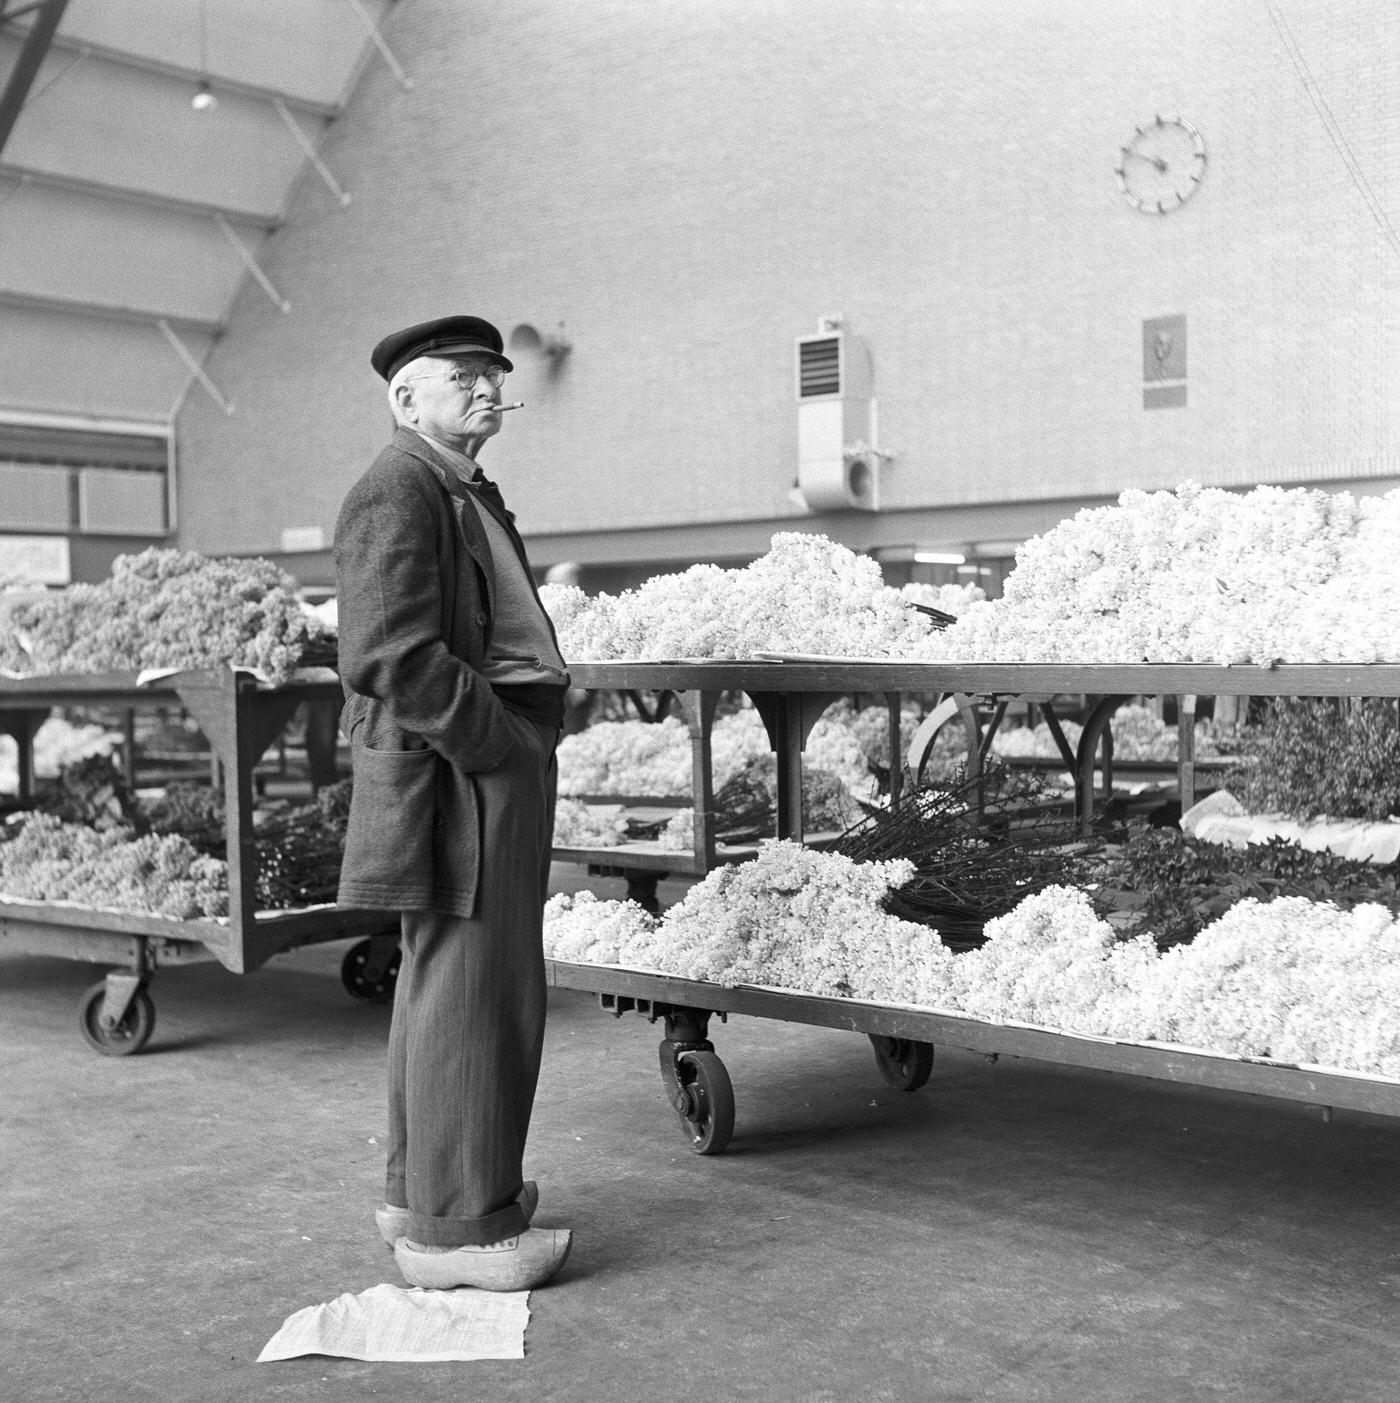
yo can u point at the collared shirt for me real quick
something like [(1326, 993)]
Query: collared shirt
[(522, 648)]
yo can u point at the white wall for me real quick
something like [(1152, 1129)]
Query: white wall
[(689, 186)]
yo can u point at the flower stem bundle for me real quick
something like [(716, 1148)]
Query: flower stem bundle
[(979, 845)]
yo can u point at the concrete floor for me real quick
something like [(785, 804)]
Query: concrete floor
[(1011, 1232)]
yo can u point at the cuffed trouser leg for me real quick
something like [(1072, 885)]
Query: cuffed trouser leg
[(468, 1023)]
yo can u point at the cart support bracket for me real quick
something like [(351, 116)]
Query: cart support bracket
[(687, 1030), (122, 987)]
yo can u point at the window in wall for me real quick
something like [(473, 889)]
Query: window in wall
[(929, 567), (83, 482)]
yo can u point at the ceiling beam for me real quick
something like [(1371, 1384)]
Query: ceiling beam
[(223, 84), (82, 307), (36, 44), (263, 221)]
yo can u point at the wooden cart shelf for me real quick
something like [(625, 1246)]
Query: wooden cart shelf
[(1315, 1086), (791, 696), (1000, 679)]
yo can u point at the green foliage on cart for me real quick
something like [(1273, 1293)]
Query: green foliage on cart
[(1312, 757), (90, 791), (194, 811), (1173, 885), (746, 806), (299, 846), (299, 849)]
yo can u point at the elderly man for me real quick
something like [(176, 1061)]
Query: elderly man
[(454, 699)]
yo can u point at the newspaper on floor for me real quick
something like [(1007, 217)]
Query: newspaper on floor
[(406, 1324)]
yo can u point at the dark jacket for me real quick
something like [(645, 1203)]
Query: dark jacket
[(416, 594)]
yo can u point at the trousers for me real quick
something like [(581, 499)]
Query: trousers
[(468, 1019)]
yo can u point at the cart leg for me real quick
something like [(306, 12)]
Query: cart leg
[(322, 723), (696, 1081), (118, 990), (641, 888)]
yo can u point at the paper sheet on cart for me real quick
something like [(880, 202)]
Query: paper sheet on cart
[(407, 1325), (1221, 818)]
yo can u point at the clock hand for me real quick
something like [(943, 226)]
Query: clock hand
[(1140, 156)]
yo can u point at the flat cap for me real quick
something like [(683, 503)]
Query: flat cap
[(446, 336)]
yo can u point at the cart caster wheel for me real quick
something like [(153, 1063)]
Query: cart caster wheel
[(121, 1039), (705, 1102), (905, 1064), (362, 980)]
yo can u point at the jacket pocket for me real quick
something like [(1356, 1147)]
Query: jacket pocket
[(389, 839)]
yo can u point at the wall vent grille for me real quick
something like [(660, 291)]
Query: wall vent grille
[(819, 367)]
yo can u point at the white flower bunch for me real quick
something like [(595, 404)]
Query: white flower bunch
[(164, 608), (798, 919), (808, 594), (626, 757), (583, 929), (563, 603), (679, 833), (654, 758), (579, 825), (947, 599), (871, 727), (1138, 734), (57, 744), (1199, 575), (1291, 979), (834, 746), (112, 869), (1027, 741), (736, 741), (1050, 961)]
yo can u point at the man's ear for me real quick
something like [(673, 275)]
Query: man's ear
[(403, 400)]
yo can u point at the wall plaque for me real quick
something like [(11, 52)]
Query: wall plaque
[(1164, 360)]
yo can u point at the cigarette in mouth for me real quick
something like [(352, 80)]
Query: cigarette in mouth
[(515, 404)]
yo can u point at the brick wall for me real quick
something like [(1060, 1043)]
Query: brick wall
[(689, 186)]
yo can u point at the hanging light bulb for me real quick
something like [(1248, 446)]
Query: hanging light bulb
[(203, 99)]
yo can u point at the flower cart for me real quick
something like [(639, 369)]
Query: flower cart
[(790, 695), (241, 718)]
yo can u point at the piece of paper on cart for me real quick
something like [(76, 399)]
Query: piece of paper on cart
[(407, 1325)]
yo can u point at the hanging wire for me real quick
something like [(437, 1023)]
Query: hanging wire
[(1333, 128)]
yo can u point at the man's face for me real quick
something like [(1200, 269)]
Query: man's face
[(454, 400)]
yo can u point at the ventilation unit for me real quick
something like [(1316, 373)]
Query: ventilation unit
[(836, 470)]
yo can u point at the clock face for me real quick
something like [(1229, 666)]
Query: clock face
[(1161, 165)]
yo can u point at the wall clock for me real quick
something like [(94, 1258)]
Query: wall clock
[(1161, 166)]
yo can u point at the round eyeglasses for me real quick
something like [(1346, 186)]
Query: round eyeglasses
[(465, 378)]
